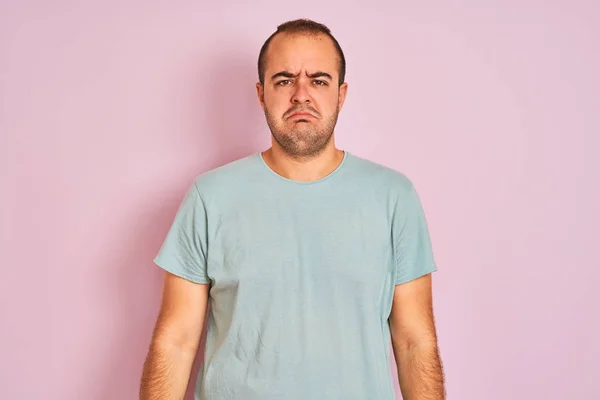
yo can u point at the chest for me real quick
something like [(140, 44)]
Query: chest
[(343, 243)]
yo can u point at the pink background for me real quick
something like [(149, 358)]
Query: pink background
[(109, 109)]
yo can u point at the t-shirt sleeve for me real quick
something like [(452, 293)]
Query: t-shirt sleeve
[(183, 252), (412, 242)]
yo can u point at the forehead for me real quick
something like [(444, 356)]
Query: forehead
[(294, 53)]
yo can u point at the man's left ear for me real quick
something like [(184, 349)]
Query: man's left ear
[(342, 92)]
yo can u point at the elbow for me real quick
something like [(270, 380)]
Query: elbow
[(403, 341), (174, 339)]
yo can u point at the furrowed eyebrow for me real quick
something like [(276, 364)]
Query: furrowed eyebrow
[(282, 74), (286, 74), (321, 75)]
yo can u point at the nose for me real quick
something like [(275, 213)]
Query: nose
[(301, 94)]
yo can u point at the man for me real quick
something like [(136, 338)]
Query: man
[(313, 260)]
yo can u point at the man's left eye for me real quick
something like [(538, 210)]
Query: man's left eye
[(320, 82)]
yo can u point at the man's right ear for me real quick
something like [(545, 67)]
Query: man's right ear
[(260, 93)]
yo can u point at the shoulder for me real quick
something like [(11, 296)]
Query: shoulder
[(223, 180), (374, 174)]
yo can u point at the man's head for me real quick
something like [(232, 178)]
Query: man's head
[(301, 86)]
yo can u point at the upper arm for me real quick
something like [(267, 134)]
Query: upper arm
[(182, 312), (186, 284), (411, 240), (411, 318)]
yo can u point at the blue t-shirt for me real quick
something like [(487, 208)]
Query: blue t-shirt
[(302, 277)]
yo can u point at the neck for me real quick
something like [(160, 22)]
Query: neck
[(303, 169)]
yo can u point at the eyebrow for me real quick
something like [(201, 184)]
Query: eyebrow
[(286, 74)]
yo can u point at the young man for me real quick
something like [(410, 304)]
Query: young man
[(313, 260)]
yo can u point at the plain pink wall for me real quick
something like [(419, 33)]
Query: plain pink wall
[(108, 110)]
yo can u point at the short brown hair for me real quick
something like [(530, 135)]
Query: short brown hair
[(301, 26)]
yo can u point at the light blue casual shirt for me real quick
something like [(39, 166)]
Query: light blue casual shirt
[(302, 277)]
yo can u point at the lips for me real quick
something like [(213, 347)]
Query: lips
[(301, 114)]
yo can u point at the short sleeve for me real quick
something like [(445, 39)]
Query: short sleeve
[(412, 242), (183, 252)]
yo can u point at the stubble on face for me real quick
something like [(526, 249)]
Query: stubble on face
[(292, 57), (301, 138)]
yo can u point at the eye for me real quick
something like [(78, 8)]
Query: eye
[(283, 82), (320, 82)]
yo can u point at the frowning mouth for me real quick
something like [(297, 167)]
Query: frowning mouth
[(301, 115)]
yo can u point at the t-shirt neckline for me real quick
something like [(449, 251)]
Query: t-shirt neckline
[(293, 181)]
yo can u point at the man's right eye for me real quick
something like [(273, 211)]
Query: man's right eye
[(283, 82)]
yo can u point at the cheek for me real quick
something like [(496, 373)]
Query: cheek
[(327, 101), (277, 105), (275, 109)]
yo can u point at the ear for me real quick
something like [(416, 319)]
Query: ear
[(260, 92), (342, 91)]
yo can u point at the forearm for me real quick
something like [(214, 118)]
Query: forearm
[(420, 372), (166, 372)]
